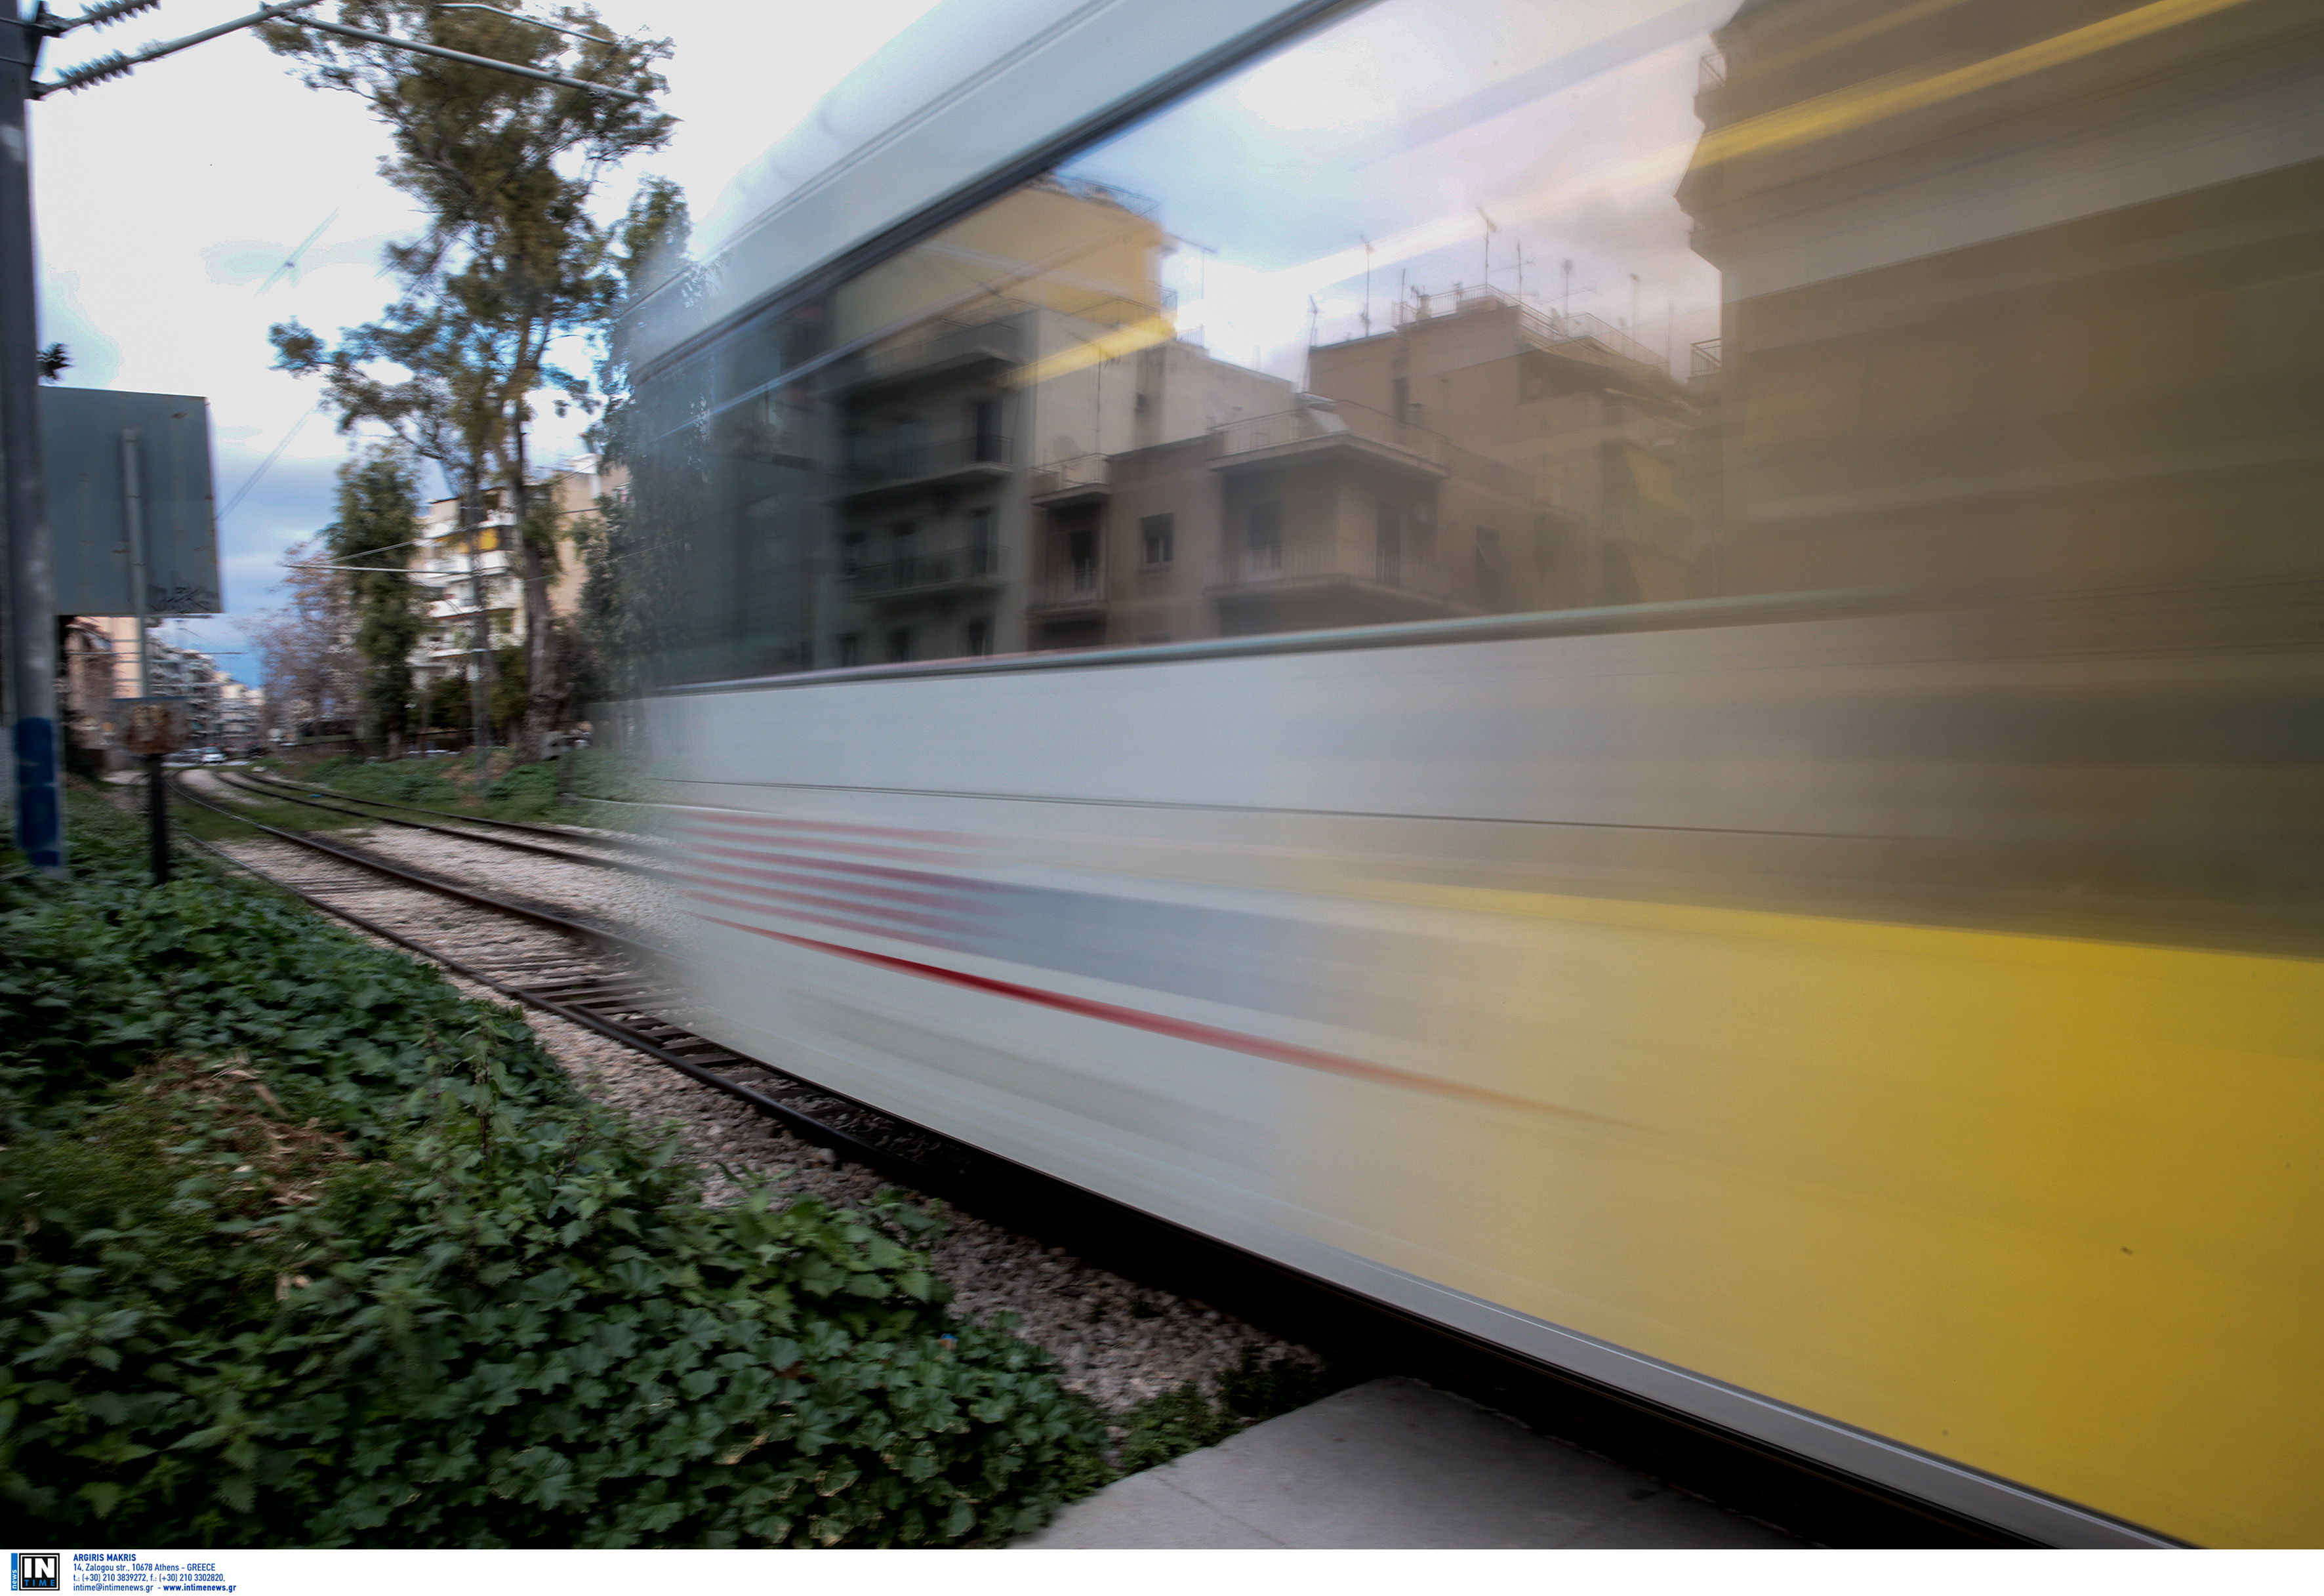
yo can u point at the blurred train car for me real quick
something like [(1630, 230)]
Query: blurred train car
[(1641, 676)]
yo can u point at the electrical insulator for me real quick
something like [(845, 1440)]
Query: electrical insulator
[(112, 11), (115, 65)]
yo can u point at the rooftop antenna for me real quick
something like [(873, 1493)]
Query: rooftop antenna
[(1368, 286), (1490, 228), (1402, 293), (1633, 328), (1565, 294), (1308, 372)]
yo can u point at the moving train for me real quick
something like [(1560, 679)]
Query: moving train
[(1640, 677)]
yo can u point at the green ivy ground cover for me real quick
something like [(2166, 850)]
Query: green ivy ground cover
[(303, 1248), (599, 779)]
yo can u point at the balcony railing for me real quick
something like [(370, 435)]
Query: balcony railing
[(1078, 583), (1080, 471), (929, 568), (1550, 327), (1561, 326), (1331, 419), (932, 457), (960, 343), (1302, 560), (1709, 358)]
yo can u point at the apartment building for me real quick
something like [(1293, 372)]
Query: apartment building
[(1605, 441), (1572, 483), (460, 570), (951, 439)]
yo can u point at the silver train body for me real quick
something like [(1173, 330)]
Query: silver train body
[(1774, 869)]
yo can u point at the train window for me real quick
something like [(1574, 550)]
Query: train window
[(1810, 295)]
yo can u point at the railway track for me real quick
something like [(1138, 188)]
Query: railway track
[(473, 828), (609, 984), (587, 974)]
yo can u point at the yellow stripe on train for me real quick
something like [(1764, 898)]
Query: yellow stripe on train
[(2044, 1206)]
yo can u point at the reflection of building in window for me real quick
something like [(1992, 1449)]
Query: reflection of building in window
[(991, 423), (1339, 509), (1603, 440), (2026, 322)]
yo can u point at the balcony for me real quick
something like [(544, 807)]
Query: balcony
[(1301, 583), (970, 567), (1082, 479), (1323, 426), (959, 347), (906, 469), (1080, 586), (1708, 359)]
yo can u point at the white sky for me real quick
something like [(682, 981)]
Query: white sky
[(1276, 176), (166, 198)]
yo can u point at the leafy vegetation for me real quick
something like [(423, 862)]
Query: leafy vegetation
[(306, 1249), (373, 540), (520, 793), (396, 781), (504, 167)]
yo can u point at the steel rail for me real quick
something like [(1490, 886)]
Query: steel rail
[(804, 1125), (313, 802), (567, 833), (428, 880)]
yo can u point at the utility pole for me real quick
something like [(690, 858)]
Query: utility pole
[(31, 656)]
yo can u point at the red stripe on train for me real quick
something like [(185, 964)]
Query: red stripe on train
[(1184, 1030)]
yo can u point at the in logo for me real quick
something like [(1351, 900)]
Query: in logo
[(35, 1571)]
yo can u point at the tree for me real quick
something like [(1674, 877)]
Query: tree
[(313, 673), (379, 522), (505, 168), (443, 410), (622, 554)]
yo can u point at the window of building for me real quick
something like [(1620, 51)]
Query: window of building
[(900, 645), (1263, 539), (851, 554), (985, 442), (1157, 540), (850, 648), (911, 440), (976, 636), (1389, 538), (1490, 561), (1086, 573), (984, 551)]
